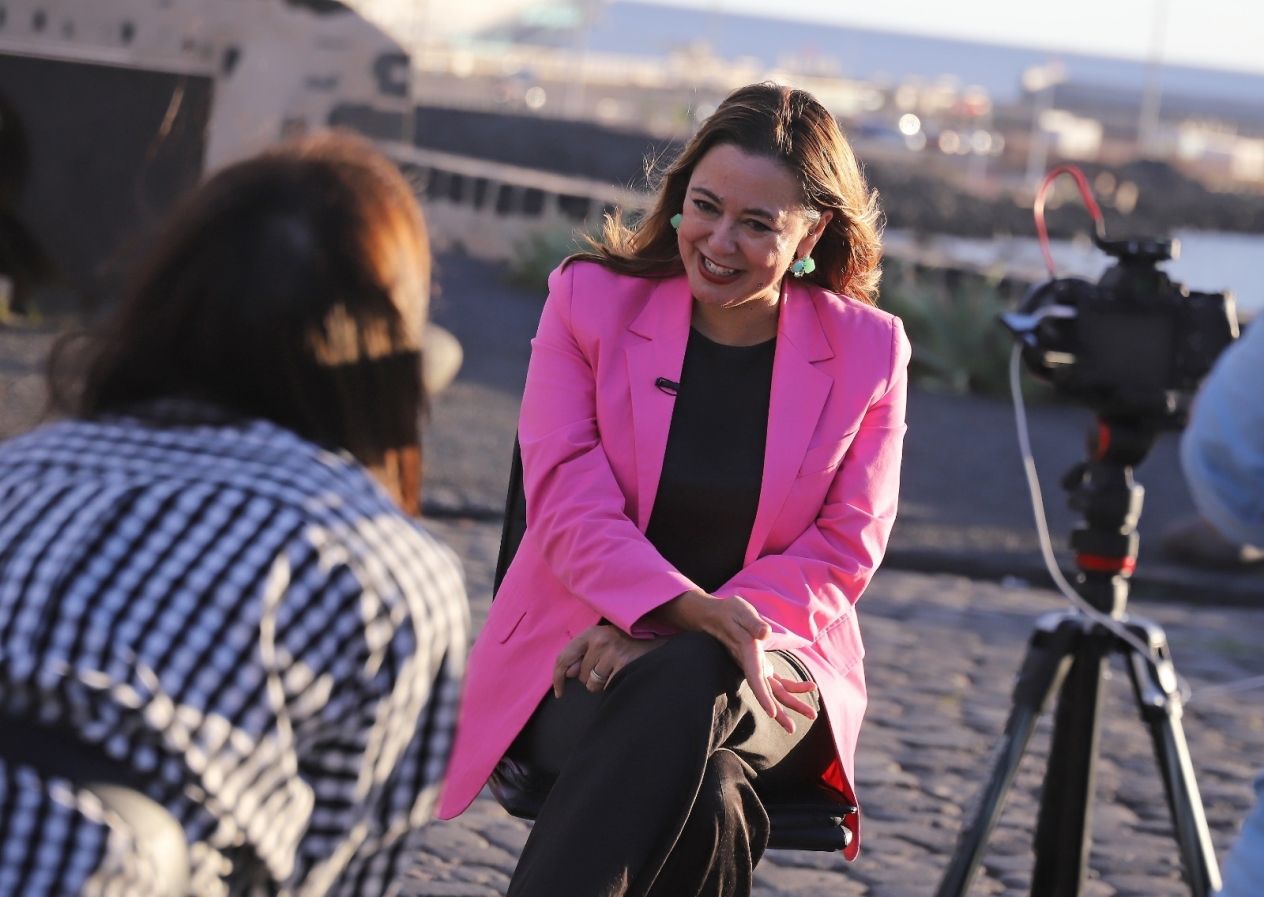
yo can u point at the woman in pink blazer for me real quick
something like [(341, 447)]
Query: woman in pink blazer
[(711, 433)]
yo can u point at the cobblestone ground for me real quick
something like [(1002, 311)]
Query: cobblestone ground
[(942, 655), (22, 393)]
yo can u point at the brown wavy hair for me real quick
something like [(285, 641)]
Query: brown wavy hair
[(792, 127), (292, 286)]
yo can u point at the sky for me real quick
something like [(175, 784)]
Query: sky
[(1213, 33)]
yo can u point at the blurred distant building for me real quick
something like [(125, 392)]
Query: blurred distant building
[(1219, 153), (1218, 139), (635, 63)]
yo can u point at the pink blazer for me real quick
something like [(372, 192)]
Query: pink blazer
[(593, 431)]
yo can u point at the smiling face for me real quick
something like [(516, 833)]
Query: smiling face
[(744, 224)]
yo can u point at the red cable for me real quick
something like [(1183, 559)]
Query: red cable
[(1038, 209)]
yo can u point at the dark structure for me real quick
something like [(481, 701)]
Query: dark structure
[(106, 150)]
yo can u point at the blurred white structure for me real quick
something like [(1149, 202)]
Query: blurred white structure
[(276, 66), (1072, 136), (113, 108), (1217, 150), (489, 210), (1039, 81)]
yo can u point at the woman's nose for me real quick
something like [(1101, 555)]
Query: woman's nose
[(723, 236)]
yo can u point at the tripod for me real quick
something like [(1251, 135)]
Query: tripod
[(1068, 652)]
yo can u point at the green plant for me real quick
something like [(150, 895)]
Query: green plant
[(950, 316), (541, 252)]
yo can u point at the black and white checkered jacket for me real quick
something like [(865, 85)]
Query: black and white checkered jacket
[(244, 619)]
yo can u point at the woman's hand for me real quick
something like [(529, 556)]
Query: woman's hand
[(786, 691), (736, 624), (596, 655)]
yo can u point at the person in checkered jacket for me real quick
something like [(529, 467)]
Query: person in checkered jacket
[(230, 653)]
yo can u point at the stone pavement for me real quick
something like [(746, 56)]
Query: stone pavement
[(942, 655)]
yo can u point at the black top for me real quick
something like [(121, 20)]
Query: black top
[(714, 463)]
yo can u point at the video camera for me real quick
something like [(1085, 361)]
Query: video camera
[(1135, 344)]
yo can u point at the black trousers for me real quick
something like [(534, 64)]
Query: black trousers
[(655, 793)]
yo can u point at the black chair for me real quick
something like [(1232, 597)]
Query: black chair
[(804, 818)]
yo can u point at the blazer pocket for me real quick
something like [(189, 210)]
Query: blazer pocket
[(501, 627), (841, 643), (825, 457)]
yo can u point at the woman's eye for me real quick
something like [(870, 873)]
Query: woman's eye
[(757, 226), (704, 206)]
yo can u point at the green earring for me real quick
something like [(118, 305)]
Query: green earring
[(805, 265), (675, 220)]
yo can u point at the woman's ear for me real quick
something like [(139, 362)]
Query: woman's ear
[(813, 236)]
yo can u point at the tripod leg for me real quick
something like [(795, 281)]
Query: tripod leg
[(1048, 658), (1154, 684), (1062, 843)]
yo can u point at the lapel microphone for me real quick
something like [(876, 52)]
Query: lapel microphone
[(671, 387)]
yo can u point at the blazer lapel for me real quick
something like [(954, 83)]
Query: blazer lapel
[(799, 393), (657, 339)]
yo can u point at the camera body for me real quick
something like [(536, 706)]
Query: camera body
[(1135, 344)]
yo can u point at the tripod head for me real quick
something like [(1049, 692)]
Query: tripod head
[(1103, 490)]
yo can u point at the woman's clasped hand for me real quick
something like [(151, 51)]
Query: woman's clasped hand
[(597, 654)]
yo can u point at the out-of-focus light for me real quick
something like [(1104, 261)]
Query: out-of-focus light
[(703, 111), (1126, 196), (950, 142), (463, 64), (557, 17), (981, 142), (535, 97), (872, 100), (608, 109), (910, 124), (975, 101), (915, 142), (1039, 77), (906, 96)]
